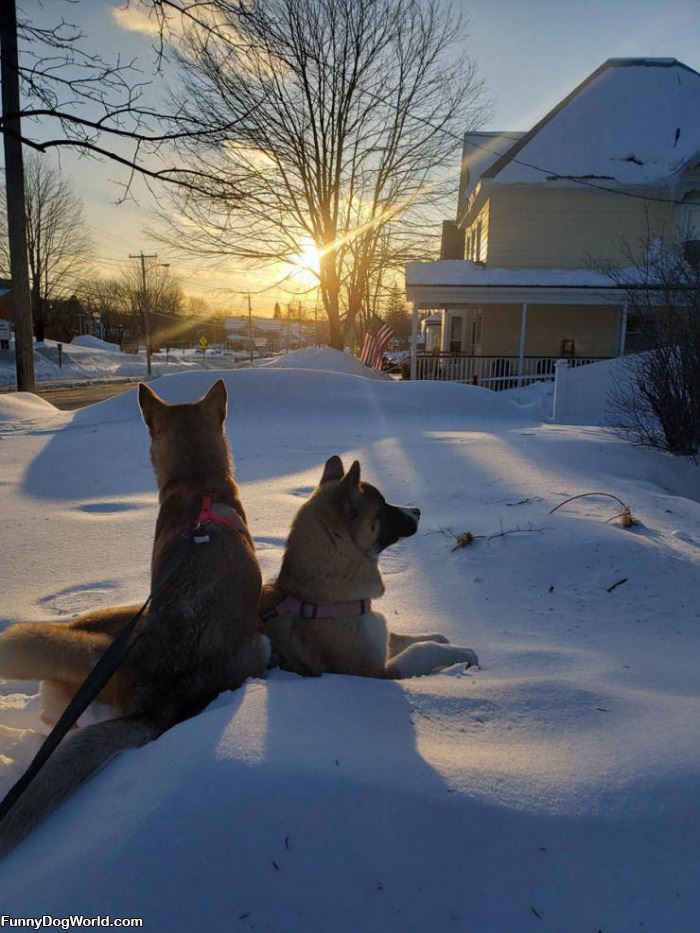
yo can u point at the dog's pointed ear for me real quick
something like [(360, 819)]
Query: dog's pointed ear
[(351, 480), (151, 406), (333, 470), (215, 400)]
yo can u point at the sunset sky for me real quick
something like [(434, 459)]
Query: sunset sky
[(530, 54)]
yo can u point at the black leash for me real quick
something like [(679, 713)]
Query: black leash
[(91, 687)]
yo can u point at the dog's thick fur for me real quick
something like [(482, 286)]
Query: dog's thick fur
[(199, 636), (332, 557)]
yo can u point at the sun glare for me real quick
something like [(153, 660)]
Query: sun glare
[(307, 261)]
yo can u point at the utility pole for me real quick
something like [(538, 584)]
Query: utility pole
[(250, 332), (14, 186), (145, 310)]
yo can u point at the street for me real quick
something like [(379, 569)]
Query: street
[(70, 397)]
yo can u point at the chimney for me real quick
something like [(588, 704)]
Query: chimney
[(452, 243)]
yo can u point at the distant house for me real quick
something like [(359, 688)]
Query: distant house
[(614, 164), (269, 334)]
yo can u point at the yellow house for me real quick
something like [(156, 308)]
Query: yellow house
[(541, 215)]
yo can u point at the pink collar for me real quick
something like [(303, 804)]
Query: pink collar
[(307, 610)]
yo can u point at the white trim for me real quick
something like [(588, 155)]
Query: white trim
[(435, 296), (623, 330), (523, 331), (414, 341)]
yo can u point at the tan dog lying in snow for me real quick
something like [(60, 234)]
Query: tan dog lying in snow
[(318, 613)]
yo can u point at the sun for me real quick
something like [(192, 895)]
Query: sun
[(307, 262)]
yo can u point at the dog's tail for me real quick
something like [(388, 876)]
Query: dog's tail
[(76, 759), (49, 651)]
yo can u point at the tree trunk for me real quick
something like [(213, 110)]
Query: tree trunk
[(330, 293), (14, 187)]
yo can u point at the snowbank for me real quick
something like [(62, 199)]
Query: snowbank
[(584, 393), (556, 788), (22, 406), (325, 358), (94, 343)]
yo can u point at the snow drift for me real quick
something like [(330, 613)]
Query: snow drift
[(554, 789)]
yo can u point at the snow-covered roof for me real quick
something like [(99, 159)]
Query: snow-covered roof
[(633, 121), (462, 272), (479, 152)]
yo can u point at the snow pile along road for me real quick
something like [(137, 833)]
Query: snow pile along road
[(554, 789), (326, 359)]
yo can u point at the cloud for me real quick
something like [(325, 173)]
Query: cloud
[(134, 19)]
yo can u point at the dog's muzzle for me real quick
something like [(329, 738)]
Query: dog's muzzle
[(397, 521)]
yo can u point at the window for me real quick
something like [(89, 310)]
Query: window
[(455, 334), (476, 328), (478, 242)]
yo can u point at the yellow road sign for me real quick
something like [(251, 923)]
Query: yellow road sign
[(203, 342)]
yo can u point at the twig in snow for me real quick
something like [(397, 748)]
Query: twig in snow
[(464, 540), (619, 583), (627, 519), (515, 531), (466, 537)]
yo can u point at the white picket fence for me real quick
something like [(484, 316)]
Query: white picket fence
[(492, 372)]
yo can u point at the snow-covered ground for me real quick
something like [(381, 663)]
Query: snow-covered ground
[(555, 789), (88, 358)]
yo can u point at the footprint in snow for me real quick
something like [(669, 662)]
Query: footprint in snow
[(76, 599), (684, 536), (107, 508), (302, 492), (263, 543)]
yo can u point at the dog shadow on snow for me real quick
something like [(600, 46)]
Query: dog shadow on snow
[(336, 750)]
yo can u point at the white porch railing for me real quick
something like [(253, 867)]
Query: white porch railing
[(492, 372)]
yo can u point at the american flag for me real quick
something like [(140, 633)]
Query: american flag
[(373, 346)]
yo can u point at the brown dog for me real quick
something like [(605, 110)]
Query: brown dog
[(199, 636), (318, 613)]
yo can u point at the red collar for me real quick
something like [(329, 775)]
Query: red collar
[(220, 514)]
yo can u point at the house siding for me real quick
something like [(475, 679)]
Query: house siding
[(595, 330), (570, 229)]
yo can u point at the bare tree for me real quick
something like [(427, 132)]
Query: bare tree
[(58, 242), (656, 401), (334, 121), (56, 93)]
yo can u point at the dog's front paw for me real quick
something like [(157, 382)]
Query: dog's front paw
[(464, 655)]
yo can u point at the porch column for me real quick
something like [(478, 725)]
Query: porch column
[(414, 341), (623, 330), (523, 329)]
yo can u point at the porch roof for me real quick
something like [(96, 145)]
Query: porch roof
[(458, 281)]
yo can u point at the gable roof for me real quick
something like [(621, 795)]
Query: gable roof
[(634, 121), (479, 152)]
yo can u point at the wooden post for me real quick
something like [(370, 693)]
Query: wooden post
[(14, 187)]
